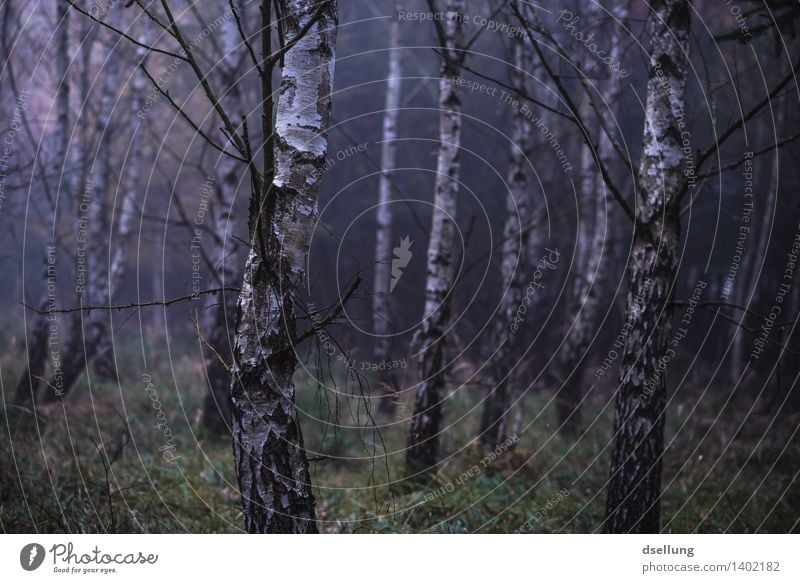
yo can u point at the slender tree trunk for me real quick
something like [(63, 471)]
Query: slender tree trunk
[(381, 307), (37, 349), (218, 323), (105, 365), (586, 291), (578, 324), (221, 310), (423, 443), (270, 460), (513, 265), (751, 267), (88, 328), (633, 503)]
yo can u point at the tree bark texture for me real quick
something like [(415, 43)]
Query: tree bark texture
[(423, 443), (270, 460), (633, 503)]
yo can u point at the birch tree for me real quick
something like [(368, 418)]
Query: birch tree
[(121, 235), (423, 443), (381, 307), (753, 264), (220, 311), (594, 239), (270, 461), (37, 341), (514, 261), (634, 484), (86, 330)]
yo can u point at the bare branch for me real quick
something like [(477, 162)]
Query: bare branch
[(740, 161), (188, 119), (123, 34), (133, 305), (576, 117), (332, 314), (228, 367), (203, 79), (277, 55), (243, 36), (703, 156), (440, 34)]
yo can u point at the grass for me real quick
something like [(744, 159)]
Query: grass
[(97, 464)]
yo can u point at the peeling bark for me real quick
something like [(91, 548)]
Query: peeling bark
[(270, 460), (633, 503), (423, 443)]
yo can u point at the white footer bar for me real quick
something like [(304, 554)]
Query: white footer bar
[(401, 558)]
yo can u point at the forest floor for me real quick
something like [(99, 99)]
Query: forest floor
[(131, 458)]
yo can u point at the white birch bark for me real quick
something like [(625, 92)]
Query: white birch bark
[(381, 307), (270, 461), (424, 434), (633, 503)]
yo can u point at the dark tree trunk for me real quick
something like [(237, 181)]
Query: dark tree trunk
[(83, 345), (633, 503), (30, 381), (586, 292), (38, 348), (88, 329), (216, 406), (514, 267)]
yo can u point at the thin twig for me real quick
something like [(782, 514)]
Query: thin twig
[(123, 34), (188, 119), (739, 162), (243, 36), (228, 367), (134, 305), (717, 144), (332, 314)]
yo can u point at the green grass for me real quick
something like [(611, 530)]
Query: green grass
[(94, 465)]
